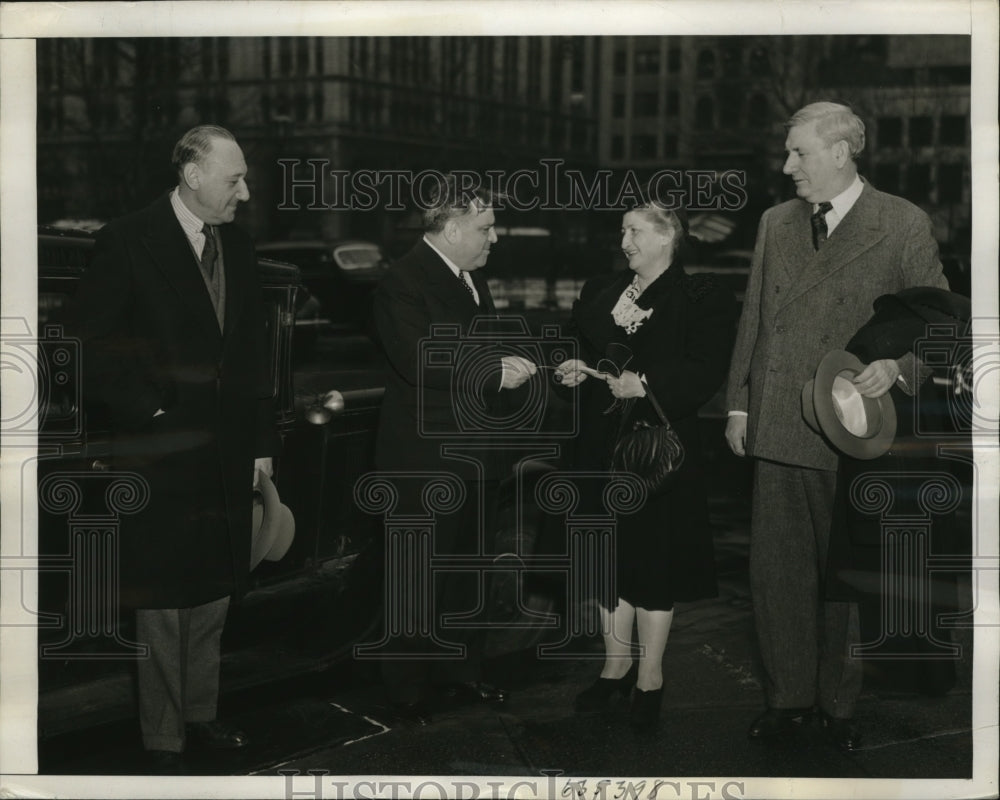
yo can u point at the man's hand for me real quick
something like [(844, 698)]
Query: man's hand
[(877, 378), (628, 385), (516, 370), (736, 433), (261, 465), (569, 374)]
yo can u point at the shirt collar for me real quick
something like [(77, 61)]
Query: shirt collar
[(845, 201), (191, 224), (444, 258)]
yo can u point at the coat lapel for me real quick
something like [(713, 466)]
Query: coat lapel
[(234, 277), (793, 241), (169, 251), (442, 282), (859, 231)]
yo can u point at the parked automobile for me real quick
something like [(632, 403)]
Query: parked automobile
[(338, 277), (731, 267), (326, 418)]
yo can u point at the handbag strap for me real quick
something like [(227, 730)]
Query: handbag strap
[(656, 406)]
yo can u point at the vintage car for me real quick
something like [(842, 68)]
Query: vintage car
[(326, 412)]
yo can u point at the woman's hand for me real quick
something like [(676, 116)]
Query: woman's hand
[(628, 385), (569, 374)]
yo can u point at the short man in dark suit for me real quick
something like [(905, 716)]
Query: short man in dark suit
[(438, 283), (175, 364), (819, 263)]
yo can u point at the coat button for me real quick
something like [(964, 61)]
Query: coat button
[(779, 328), (824, 339), (841, 301)]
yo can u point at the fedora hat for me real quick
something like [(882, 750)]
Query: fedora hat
[(273, 524), (858, 426)]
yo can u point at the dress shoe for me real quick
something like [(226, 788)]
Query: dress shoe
[(842, 732), (415, 713), (596, 696), (644, 715), (777, 722), (475, 692), (216, 735), (165, 762)]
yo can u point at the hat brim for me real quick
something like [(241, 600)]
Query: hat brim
[(273, 525), (882, 430), (808, 408)]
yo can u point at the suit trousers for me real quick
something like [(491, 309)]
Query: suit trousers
[(407, 676), (804, 640), (179, 682)]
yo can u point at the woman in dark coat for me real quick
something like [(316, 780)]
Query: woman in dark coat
[(670, 334)]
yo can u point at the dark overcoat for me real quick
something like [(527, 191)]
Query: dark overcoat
[(683, 352), (443, 382), (151, 340)]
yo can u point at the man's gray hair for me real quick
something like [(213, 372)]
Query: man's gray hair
[(196, 144), (834, 122), (449, 200)]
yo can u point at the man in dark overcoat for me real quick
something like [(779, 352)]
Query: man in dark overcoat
[(819, 262), (172, 325), (438, 284)]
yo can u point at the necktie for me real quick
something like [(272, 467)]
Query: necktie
[(463, 276), (209, 252), (818, 220)]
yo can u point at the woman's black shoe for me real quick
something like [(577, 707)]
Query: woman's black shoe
[(596, 696), (645, 713)]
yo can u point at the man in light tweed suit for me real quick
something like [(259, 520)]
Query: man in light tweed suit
[(819, 263)]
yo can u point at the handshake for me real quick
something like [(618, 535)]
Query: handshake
[(516, 370)]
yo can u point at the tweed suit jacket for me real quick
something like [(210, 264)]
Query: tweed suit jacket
[(800, 304)]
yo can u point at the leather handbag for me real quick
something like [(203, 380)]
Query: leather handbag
[(653, 453)]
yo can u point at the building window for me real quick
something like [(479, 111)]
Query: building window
[(285, 55), (706, 64), (647, 62), (673, 103), (757, 111), (950, 183), (645, 104), (618, 105), (890, 131), (760, 63), (921, 131), (887, 178), (952, 129), (704, 113), (621, 62), (670, 145), (918, 182), (732, 58), (643, 146), (730, 105), (618, 147), (510, 64), (674, 60)]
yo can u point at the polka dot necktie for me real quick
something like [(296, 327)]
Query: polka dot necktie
[(463, 276)]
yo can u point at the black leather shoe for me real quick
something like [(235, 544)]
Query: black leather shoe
[(596, 696), (644, 715), (842, 732), (777, 722), (416, 713), (165, 762), (216, 735), (475, 692)]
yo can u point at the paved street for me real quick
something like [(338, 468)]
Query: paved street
[(307, 709)]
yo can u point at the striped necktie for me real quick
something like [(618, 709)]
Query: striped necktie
[(818, 222), (209, 252)]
